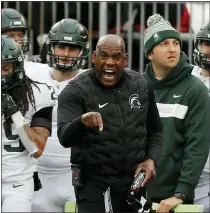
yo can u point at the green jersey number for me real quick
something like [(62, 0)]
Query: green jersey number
[(8, 132)]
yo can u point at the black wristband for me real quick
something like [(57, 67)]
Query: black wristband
[(180, 196)]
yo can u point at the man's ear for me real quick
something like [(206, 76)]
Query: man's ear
[(150, 56), (94, 57), (125, 60)]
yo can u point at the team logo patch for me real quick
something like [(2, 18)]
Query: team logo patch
[(134, 101), (9, 56), (156, 36)]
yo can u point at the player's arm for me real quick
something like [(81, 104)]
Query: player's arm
[(33, 138), (40, 129)]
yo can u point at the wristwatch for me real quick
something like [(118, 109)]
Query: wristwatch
[(180, 196)]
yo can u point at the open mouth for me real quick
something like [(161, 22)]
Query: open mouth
[(65, 62), (172, 57), (109, 74)]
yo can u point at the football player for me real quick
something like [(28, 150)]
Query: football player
[(67, 48), (15, 26), (26, 108), (202, 55)]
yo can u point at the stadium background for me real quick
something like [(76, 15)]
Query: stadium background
[(127, 19)]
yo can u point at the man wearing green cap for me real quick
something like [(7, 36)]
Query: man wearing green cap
[(184, 107)]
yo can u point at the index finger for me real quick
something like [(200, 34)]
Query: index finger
[(137, 171), (99, 121)]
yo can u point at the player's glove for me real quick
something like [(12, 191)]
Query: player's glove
[(8, 106)]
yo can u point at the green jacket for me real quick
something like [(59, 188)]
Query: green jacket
[(184, 107)]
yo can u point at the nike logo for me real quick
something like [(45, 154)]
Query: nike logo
[(103, 105), (176, 96), (18, 185)]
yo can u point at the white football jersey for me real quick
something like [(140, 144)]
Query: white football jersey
[(206, 80), (55, 158), (30, 64), (16, 163)]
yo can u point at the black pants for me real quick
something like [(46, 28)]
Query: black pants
[(90, 199)]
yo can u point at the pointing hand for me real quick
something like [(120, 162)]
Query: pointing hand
[(92, 119)]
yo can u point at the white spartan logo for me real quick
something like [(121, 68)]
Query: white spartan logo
[(156, 36), (134, 101)]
